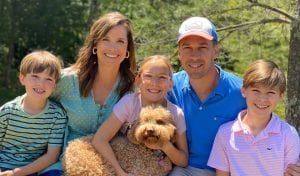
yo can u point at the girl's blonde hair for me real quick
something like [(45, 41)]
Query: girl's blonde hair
[(154, 58), (39, 61), (86, 65), (264, 73)]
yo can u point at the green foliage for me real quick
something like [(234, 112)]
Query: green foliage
[(53, 25), (280, 109), (61, 26), (7, 94)]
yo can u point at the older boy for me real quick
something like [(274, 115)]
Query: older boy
[(258, 142)]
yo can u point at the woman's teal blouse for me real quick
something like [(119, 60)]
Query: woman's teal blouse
[(84, 115)]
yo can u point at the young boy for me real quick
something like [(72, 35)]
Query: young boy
[(31, 126), (258, 142)]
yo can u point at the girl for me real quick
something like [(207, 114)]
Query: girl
[(154, 81)]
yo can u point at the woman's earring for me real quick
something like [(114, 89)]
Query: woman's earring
[(127, 54), (94, 50)]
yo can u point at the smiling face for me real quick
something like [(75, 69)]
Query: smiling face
[(111, 49), (38, 86), (261, 101), (263, 86), (197, 55), (154, 82)]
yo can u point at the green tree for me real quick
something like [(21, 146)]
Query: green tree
[(54, 25), (293, 106), (248, 29)]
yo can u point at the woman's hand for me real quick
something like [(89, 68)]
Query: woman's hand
[(7, 173)]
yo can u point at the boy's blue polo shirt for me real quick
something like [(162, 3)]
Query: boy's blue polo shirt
[(204, 118)]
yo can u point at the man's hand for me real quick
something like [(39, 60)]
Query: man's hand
[(293, 170)]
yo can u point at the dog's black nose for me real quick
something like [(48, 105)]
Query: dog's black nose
[(150, 132)]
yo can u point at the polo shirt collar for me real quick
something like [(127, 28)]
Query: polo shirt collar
[(186, 82), (221, 87), (237, 124), (274, 126)]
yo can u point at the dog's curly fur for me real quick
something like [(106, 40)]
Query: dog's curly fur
[(155, 125)]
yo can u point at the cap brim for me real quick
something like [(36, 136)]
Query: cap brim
[(200, 34)]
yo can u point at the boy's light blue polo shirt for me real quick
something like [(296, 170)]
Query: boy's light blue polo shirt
[(204, 118)]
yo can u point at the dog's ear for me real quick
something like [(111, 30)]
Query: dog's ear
[(131, 133), (172, 125), (174, 136)]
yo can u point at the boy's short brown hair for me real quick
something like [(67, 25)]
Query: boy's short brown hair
[(264, 73), (39, 61)]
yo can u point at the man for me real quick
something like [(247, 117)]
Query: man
[(208, 95)]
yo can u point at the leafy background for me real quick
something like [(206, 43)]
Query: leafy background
[(60, 26)]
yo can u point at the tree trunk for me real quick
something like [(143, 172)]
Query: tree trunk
[(94, 6), (11, 47), (293, 92), (9, 63)]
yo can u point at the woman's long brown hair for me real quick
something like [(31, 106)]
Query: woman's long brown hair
[(85, 65)]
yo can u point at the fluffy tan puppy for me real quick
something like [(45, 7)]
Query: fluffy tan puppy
[(155, 125)]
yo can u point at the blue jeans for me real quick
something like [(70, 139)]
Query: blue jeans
[(52, 173), (48, 173)]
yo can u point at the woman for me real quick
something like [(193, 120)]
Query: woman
[(102, 74)]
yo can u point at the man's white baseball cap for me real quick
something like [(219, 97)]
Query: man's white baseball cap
[(198, 26)]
